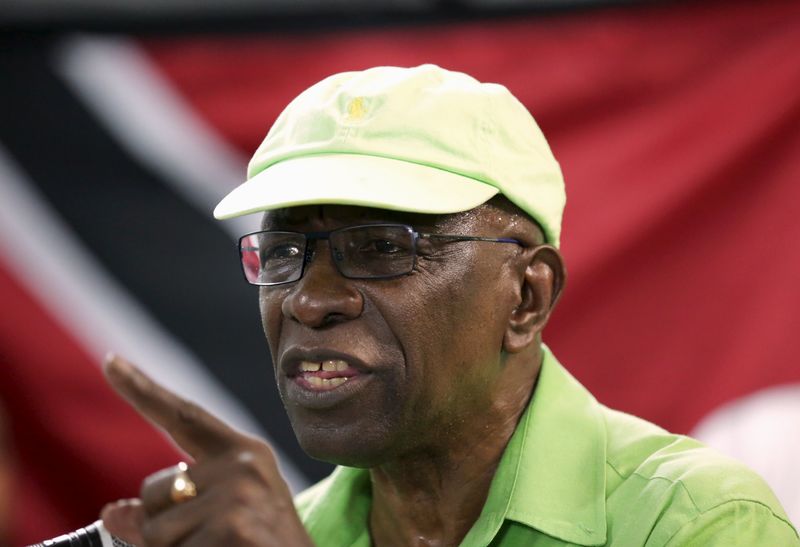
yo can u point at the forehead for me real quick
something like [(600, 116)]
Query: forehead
[(317, 217)]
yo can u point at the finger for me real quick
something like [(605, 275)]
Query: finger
[(170, 526), (123, 518), (208, 535), (252, 467), (156, 492), (238, 531), (249, 529), (193, 428)]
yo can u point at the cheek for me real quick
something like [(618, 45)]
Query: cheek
[(451, 333), (269, 303), (462, 314)]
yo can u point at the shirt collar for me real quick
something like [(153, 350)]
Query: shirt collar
[(551, 476), (335, 511)]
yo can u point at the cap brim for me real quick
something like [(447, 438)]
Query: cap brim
[(355, 179)]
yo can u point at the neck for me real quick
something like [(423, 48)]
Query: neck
[(433, 495)]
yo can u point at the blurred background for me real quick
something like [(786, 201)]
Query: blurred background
[(122, 123)]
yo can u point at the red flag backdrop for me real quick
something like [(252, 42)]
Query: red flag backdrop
[(678, 130)]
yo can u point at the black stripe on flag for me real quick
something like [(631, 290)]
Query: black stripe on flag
[(179, 263)]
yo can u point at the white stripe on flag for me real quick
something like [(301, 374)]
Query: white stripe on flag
[(130, 97), (99, 311)]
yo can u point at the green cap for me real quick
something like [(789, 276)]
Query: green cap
[(423, 140)]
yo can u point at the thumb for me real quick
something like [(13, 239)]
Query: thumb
[(123, 518)]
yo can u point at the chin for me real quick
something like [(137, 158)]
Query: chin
[(339, 446)]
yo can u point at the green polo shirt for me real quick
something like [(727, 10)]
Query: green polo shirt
[(578, 473)]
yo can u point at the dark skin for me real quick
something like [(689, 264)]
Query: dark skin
[(446, 358)]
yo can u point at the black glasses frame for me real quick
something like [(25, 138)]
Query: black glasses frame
[(308, 252)]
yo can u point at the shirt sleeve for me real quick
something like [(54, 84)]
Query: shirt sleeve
[(736, 523)]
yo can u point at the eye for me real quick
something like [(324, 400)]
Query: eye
[(382, 246), (286, 250)]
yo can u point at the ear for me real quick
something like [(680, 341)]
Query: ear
[(542, 282)]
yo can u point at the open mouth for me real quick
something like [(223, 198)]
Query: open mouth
[(324, 378), (324, 375)]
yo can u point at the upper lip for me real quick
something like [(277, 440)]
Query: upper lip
[(291, 358)]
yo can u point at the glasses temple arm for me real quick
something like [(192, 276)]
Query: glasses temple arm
[(471, 238)]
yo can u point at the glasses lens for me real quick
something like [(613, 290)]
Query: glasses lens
[(374, 251), (270, 258)]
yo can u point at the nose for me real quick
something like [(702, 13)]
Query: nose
[(322, 296)]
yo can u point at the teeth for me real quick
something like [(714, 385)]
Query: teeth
[(308, 366), (315, 381), (330, 365), (334, 365), (330, 383), (337, 381)]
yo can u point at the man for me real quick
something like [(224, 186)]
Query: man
[(408, 263)]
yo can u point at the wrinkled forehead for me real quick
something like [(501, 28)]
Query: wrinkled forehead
[(331, 216), (493, 218)]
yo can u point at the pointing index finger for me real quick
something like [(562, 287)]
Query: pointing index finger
[(193, 428)]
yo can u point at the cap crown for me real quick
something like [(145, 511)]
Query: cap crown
[(427, 116)]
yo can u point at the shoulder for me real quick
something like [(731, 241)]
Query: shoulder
[(685, 490)]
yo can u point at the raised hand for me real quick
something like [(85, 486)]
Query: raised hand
[(241, 497)]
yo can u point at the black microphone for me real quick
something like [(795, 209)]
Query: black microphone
[(94, 535)]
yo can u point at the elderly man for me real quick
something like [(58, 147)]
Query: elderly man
[(408, 262)]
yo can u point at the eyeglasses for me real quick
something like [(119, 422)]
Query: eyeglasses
[(370, 251)]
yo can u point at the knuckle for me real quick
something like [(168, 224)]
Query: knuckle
[(253, 464), (247, 459), (188, 413)]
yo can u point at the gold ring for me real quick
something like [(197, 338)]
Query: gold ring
[(183, 487)]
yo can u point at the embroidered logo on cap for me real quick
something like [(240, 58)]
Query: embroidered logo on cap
[(356, 109)]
